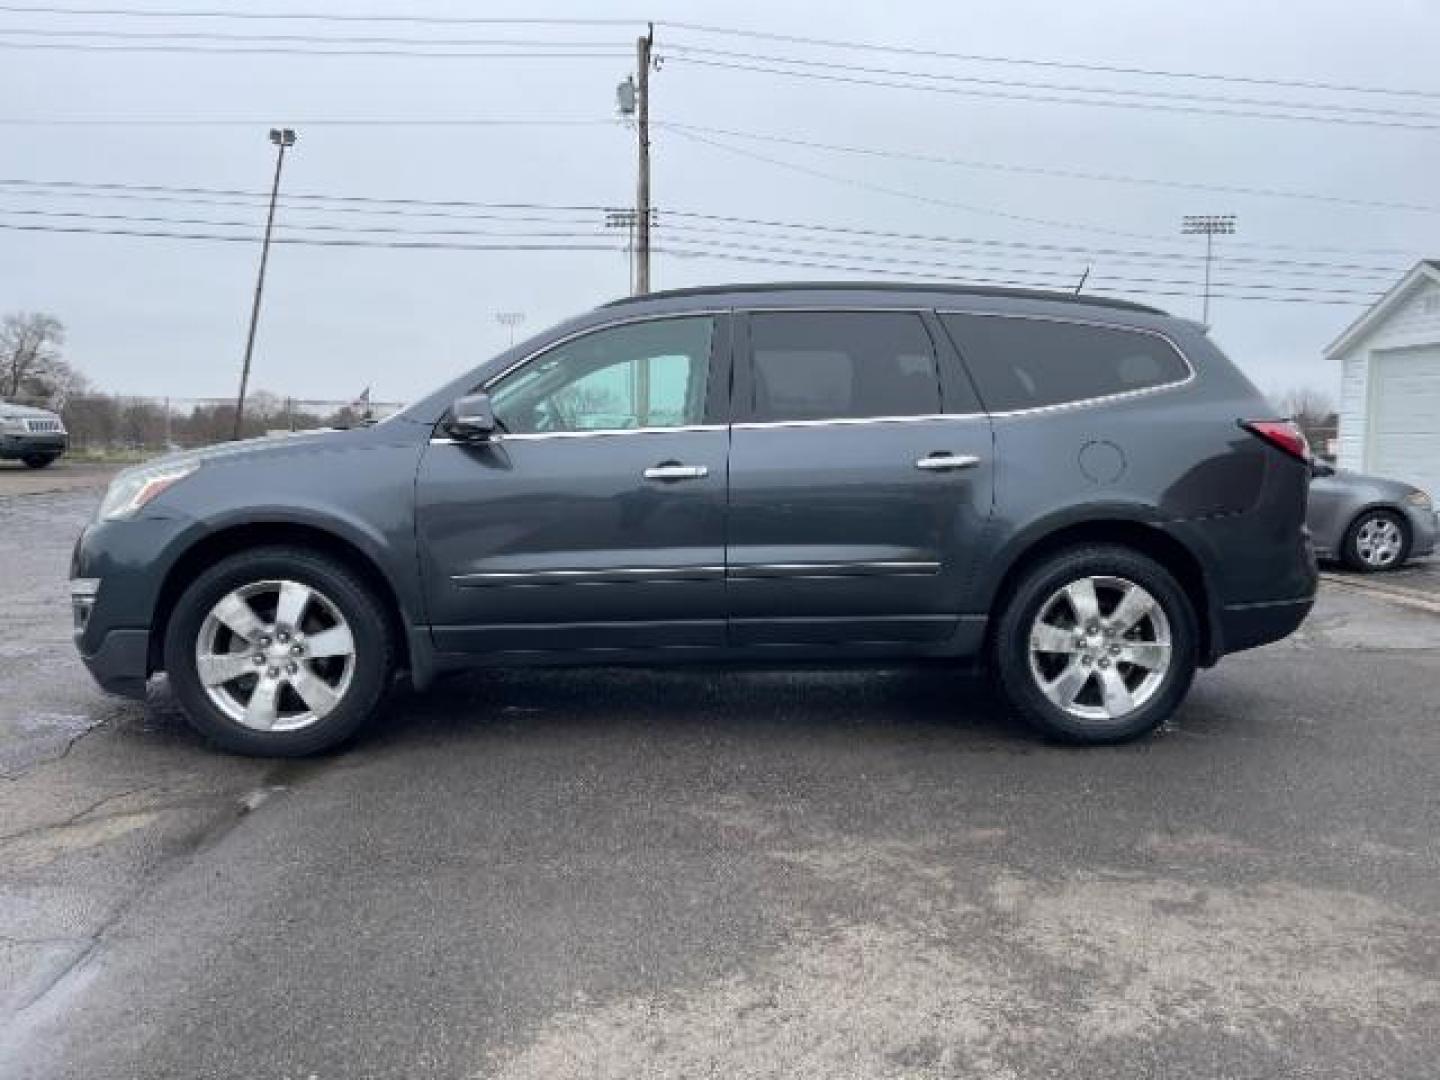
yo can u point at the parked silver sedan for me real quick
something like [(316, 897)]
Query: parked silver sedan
[(1367, 522)]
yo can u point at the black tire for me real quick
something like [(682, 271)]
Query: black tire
[(1011, 644), (1350, 552), (362, 610), (39, 461)]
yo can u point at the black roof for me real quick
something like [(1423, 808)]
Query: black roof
[(890, 286)]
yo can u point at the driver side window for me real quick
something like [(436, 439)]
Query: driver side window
[(640, 375)]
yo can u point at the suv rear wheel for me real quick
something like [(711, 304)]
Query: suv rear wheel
[(279, 652), (1097, 644)]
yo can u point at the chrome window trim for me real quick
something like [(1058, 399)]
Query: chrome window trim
[(1101, 324), (840, 421), (852, 421), (539, 436)]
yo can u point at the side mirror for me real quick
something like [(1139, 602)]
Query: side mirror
[(1319, 469), (472, 418)]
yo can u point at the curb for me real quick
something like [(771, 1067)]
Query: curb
[(1412, 598)]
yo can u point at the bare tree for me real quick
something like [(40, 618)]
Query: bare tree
[(30, 362), (1306, 403), (1314, 411)]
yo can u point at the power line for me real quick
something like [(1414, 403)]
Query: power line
[(320, 39), (1060, 174), (413, 46), (931, 200), (355, 199), (611, 53), (1067, 274), (310, 208), (724, 31), (1051, 252), (301, 227), (275, 16), (305, 241), (700, 234), (1080, 88), (334, 121), (822, 265), (464, 209), (363, 237), (1067, 65), (1057, 99)]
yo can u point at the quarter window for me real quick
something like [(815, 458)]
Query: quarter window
[(835, 365), (640, 375), (1020, 363)]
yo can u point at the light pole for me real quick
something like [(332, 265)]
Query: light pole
[(510, 319), (1210, 226), (283, 138)]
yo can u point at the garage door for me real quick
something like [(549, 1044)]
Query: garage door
[(1404, 427)]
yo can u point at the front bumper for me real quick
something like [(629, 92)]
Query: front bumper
[(1424, 529), (116, 572), (13, 447), (121, 662)]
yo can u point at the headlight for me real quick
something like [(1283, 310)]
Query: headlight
[(134, 488), (1420, 499), (12, 425)]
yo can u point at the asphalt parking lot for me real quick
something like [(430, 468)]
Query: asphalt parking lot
[(717, 874)]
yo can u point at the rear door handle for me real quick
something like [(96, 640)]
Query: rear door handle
[(670, 471), (947, 461)]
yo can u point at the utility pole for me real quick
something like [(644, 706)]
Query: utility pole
[(643, 49), (283, 138), (1210, 226)]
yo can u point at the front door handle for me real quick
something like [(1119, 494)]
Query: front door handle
[(674, 471), (947, 461)]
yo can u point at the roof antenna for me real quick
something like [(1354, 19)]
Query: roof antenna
[(1081, 283)]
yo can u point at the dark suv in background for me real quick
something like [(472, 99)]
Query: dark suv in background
[(1083, 491)]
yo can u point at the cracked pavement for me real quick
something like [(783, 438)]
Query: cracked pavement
[(636, 874)]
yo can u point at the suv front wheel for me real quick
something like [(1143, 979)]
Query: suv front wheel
[(1096, 644), (279, 652)]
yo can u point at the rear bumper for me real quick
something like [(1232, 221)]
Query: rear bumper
[(19, 446), (1247, 626), (120, 663)]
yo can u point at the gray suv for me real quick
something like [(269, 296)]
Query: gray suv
[(1084, 492)]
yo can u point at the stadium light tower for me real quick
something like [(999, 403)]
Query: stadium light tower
[(510, 319), (1209, 226)]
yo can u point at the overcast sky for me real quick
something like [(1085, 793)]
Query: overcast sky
[(167, 316)]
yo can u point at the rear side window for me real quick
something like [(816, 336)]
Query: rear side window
[(1020, 363), (837, 365)]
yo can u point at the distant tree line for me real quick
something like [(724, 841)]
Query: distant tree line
[(119, 422), (33, 371)]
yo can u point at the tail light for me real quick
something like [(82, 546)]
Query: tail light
[(1282, 434)]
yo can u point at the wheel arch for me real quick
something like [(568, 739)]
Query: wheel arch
[(241, 536), (1135, 532)]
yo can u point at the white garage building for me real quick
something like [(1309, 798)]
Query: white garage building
[(1390, 383)]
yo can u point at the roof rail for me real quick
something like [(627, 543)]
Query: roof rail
[(891, 286)]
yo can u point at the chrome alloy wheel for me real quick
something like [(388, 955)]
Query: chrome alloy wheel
[(275, 655), (1379, 541), (1100, 647)]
